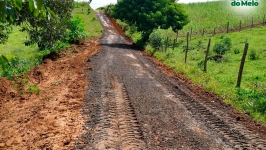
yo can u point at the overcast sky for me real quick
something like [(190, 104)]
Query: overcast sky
[(98, 3)]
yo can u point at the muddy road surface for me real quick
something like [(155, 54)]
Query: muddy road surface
[(132, 104)]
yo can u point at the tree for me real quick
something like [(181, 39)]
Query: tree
[(46, 21), (46, 31), (9, 11), (151, 14)]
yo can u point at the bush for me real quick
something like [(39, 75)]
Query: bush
[(5, 29), (16, 65), (236, 51), (149, 50), (222, 46), (76, 29), (157, 37), (122, 25), (253, 55)]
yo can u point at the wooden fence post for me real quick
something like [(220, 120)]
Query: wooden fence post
[(186, 48), (214, 31), (174, 44), (242, 66), (264, 20), (206, 56), (176, 36), (240, 25), (166, 44), (190, 33), (227, 27), (252, 22)]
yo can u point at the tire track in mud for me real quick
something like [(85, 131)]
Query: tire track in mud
[(236, 136), (118, 74), (118, 127)]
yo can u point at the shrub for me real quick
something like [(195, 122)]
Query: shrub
[(236, 50), (149, 50), (33, 89), (76, 29), (157, 37), (222, 46), (5, 28), (122, 25), (253, 55), (16, 65)]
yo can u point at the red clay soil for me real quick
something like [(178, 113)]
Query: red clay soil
[(119, 30), (51, 119)]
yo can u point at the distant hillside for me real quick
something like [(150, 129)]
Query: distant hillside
[(216, 14)]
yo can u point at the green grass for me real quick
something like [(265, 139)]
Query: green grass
[(216, 14), (15, 45), (221, 76), (27, 57), (92, 24)]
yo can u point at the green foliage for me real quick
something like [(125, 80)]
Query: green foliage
[(124, 26), (156, 39), (207, 15), (76, 29), (33, 89), (158, 36), (4, 63), (17, 66), (9, 9), (236, 51), (5, 29), (148, 15), (221, 77), (253, 55), (46, 31), (252, 100), (149, 50), (222, 46), (92, 25), (10, 12)]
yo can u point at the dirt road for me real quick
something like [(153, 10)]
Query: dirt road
[(132, 104)]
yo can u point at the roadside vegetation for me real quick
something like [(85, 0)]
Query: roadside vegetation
[(225, 53), (210, 15), (148, 15), (222, 69), (24, 50)]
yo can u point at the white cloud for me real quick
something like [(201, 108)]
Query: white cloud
[(195, 1), (99, 3)]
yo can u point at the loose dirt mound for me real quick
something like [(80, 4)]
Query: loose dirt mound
[(52, 118), (6, 89)]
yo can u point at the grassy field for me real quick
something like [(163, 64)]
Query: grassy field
[(27, 57), (216, 14), (92, 25), (221, 76)]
